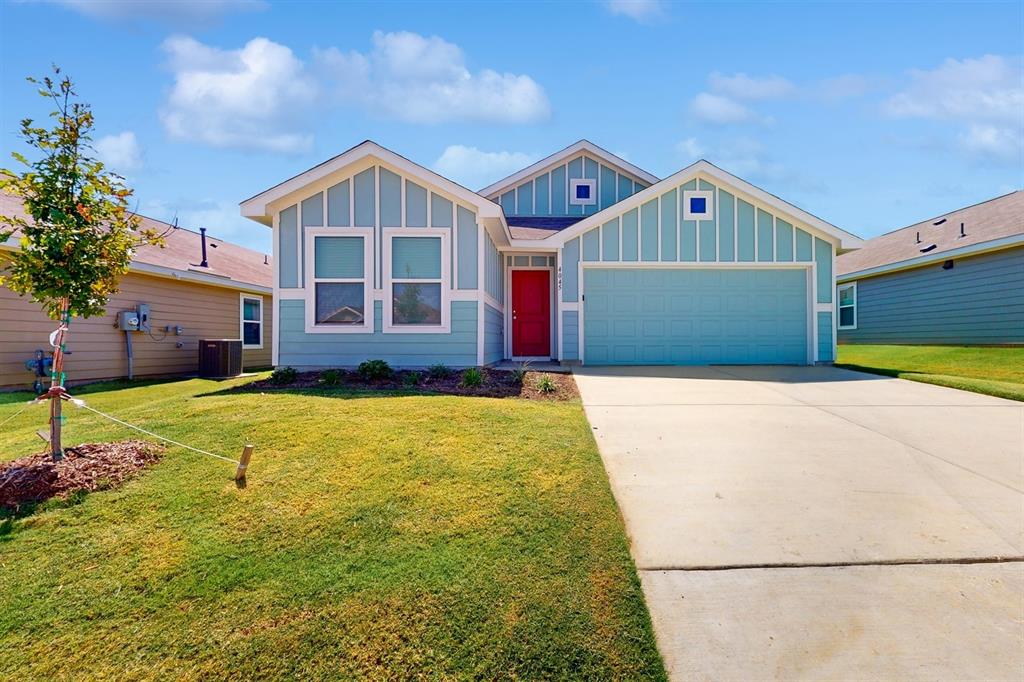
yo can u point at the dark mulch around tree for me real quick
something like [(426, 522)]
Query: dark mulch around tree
[(86, 467), (496, 384)]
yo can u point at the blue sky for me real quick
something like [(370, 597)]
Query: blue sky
[(870, 115)]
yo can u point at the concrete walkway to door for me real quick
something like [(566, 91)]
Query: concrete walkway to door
[(811, 522)]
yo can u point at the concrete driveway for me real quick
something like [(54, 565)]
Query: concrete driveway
[(811, 522)]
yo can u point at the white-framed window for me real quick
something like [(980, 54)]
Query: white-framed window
[(250, 324), (846, 295), (417, 280), (339, 280), (698, 204), (582, 192)]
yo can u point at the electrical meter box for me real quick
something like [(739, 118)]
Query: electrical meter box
[(128, 320), (143, 309)]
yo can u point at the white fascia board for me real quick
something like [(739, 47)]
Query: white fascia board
[(256, 207), (927, 259), (844, 239), (559, 157)]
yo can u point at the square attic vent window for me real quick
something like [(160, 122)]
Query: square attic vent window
[(698, 204), (582, 192)]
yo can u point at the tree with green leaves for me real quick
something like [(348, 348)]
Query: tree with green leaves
[(77, 235)]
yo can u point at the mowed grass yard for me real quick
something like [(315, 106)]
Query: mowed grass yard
[(994, 371), (393, 537)]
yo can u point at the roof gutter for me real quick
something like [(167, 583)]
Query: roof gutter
[(911, 263)]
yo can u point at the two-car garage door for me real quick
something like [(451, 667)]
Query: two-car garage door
[(695, 316)]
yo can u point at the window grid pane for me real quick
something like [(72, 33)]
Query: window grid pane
[(340, 303), (338, 258), (251, 334), (251, 310), (416, 258), (416, 304)]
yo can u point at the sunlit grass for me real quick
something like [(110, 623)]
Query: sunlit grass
[(378, 537)]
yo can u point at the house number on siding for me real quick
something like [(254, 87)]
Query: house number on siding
[(559, 277)]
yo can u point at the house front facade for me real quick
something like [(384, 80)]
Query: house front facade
[(956, 279), (579, 258)]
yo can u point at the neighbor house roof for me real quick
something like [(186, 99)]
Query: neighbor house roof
[(996, 223), (563, 155), (230, 265)]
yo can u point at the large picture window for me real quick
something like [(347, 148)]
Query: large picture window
[(339, 290), (417, 281), (847, 296), (251, 321)]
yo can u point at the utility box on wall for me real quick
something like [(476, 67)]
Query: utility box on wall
[(220, 358)]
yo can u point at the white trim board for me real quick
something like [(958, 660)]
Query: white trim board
[(713, 174), (257, 207), (562, 156)]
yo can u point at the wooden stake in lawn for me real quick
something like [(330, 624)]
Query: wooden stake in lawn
[(243, 464), (76, 234)]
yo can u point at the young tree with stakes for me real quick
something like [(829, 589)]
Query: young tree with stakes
[(78, 236)]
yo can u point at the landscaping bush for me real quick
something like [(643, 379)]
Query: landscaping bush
[(546, 385), (519, 373), (283, 375), (412, 379), (330, 377), (439, 371), (372, 370), (472, 378)]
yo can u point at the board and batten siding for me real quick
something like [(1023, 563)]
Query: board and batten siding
[(980, 300), (98, 348), (655, 232), (376, 196), (547, 193)]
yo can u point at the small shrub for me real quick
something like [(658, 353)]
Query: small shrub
[(375, 369), (519, 373), (439, 371), (412, 379), (330, 377), (546, 385), (283, 375), (472, 378)]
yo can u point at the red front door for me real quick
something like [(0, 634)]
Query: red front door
[(531, 313)]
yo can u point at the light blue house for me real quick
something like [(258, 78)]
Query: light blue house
[(581, 257)]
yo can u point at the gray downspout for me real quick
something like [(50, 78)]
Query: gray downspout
[(131, 357)]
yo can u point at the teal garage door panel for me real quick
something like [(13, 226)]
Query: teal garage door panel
[(694, 316)]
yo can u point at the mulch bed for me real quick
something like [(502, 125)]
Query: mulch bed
[(496, 384), (87, 467)]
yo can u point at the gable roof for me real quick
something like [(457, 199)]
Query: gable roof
[(230, 265), (846, 239), (996, 221), (255, 207), (561, 156)]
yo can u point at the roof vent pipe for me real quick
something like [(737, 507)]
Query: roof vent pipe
[(204, 247), (202, 238), (962, 233)]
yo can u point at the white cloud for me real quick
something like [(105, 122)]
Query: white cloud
[(742, 86), (472, 167), (994, 143), (175, 12), (843, 87), (247, 98), (420, 79), (119, 152), (749, 159), (720, 110), (690, 149), (637, 10), (984, 94)]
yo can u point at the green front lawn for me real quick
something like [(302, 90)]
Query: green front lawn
[(994, 371), (379, 537)]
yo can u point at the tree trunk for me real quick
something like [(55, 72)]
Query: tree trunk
[(57, 381)]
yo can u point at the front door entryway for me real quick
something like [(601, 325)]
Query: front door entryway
[(531, 313)]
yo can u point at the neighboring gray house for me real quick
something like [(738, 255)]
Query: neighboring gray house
[(956, 279)]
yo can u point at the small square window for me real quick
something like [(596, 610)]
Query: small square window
[(698, 205), (582, 191)]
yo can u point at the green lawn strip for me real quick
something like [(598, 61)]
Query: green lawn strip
[(993, 371), (379, 537)]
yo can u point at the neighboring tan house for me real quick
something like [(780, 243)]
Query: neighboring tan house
[(955, 279), (228, 298), (581, 257)]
